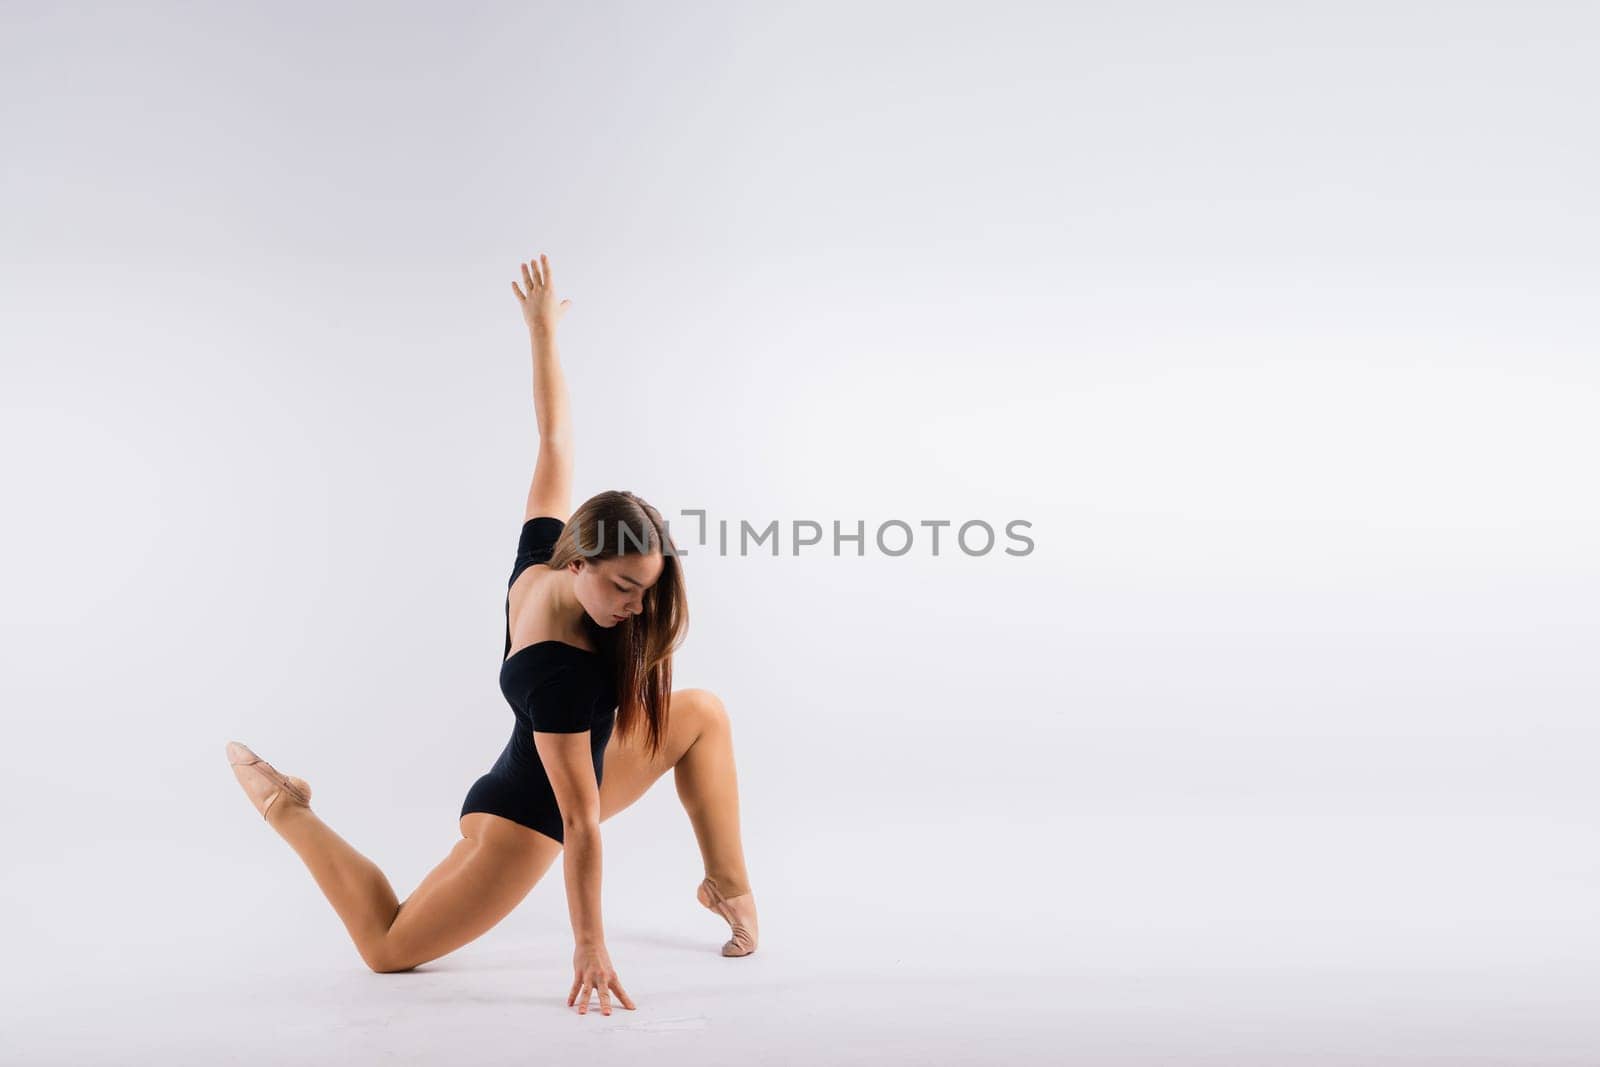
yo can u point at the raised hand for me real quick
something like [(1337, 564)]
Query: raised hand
[(537, 295)]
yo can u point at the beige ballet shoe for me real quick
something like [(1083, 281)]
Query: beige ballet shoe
[(743, 941), (298, 790)]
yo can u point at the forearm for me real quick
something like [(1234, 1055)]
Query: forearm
[(581, 864), (549, 387)]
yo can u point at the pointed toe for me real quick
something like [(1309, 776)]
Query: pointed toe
[(243, 760), (743, 941)]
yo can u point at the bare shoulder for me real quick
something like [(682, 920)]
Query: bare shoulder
[(527, 587), (526, 615)]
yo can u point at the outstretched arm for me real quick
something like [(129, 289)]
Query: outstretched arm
[(551, 490), (569, 761)]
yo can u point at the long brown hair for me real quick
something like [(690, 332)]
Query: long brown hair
[(606, 526)]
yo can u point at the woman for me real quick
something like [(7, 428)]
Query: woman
[(594, 609)]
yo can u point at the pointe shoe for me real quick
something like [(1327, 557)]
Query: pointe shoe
[(743, 941), (298, 790)]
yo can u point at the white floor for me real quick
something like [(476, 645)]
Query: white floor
[(1126, 940)]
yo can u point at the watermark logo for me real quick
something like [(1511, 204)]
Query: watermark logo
[(892, 537)]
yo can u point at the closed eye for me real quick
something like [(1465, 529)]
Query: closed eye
[(620, 586)]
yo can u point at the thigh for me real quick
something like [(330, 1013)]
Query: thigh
[(629, 772), (487, 874)]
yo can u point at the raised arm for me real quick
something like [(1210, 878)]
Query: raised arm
[(551, 490)]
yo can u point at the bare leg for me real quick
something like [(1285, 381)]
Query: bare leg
[(487, 873), (357, 889), (699, 750), (709, 790)]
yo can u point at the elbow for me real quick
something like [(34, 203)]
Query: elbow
[(580, 825)]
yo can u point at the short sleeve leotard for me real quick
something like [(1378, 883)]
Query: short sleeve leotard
[(552, 687)]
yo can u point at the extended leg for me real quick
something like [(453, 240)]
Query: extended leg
[(360, 894), (487, 874)]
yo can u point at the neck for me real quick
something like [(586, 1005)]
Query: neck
[(564, 606)]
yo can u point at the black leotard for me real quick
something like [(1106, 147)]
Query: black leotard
[(552, 687)]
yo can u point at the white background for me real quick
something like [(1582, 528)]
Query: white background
[(1275, 321)]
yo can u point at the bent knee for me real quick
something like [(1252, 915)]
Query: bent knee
[(384, 961), (707, 709), (390, 954)]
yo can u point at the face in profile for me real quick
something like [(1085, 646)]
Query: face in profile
[(612, 590)]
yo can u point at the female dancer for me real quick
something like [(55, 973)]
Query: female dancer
[(596, 604)]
